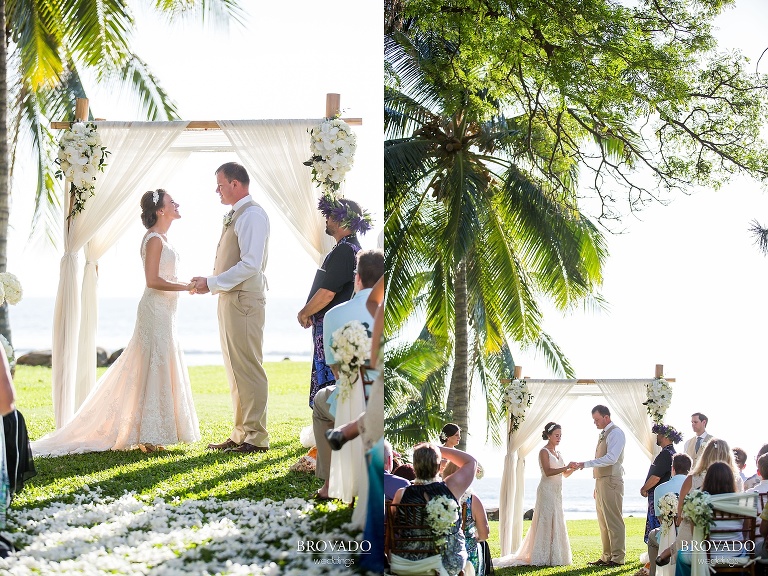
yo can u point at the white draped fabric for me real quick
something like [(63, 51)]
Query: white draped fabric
[(348, 472), (138, 145), (274, 152), (102, 241), (548, 404), (626, 399)]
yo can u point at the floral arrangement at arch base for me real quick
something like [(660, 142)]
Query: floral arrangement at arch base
[(332, 146), (517, 398), (351, 345), (81, 157), (659, 398)]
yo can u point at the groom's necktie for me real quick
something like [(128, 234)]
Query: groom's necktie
[(698, 445)]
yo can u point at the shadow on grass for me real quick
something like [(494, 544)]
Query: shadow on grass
[(194, 474), (628, 568)]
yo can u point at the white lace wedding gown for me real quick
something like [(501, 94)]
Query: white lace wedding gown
[(546, 543), (145, 396)]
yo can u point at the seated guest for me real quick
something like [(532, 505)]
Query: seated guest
[(719, 479), (754, 480), (392, 483), (762, 488), (716, 451), (428, 486), (476, 531), (681, 465), (405, 471), (740, 458)]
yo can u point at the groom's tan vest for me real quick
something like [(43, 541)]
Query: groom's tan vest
[(228, 254), (602, 450)]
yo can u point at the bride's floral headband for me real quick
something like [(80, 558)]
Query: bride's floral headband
[(155, 197), (337, 209), (668, 431)]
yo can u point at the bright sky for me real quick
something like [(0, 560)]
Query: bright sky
[(281, 65), (686, 289)]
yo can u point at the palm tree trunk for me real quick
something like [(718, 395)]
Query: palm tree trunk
[(457, 404), (5, 327)]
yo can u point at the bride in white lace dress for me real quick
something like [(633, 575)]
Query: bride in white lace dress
[(546, 543), (144, 399)]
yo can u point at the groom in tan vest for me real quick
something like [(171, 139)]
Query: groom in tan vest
[(239, 280), (609, 487)]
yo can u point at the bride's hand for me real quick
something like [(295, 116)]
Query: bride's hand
[(191, 288)]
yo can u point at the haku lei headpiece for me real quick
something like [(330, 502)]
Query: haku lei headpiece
[(333, 207), (668, 431)]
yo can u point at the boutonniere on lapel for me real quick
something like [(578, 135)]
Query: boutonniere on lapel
[(228, 218)]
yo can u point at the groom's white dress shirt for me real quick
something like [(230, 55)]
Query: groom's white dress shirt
[(252, 231), (616, 441)]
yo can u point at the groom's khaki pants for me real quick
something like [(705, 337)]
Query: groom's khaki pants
[(609, 500), (241, 329)]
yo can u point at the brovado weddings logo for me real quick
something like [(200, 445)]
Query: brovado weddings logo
[(721, 552), (340, 550)]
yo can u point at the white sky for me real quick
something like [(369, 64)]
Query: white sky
[(280, 66), (686, 288)]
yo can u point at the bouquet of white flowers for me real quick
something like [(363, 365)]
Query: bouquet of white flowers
[(351, 345), (516, 400), (333, 148), (659, 398), (697, 507), (81, 157), (668, 509), (442, 515), (10, 288)]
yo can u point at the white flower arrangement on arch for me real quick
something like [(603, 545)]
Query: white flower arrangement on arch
[(517, 398), (81, 157), (659, 399), (442, 513), (10, 289), (351, 345), (333, 146)]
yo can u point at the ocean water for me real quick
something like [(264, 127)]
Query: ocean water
[(578, 502), (197, 326)]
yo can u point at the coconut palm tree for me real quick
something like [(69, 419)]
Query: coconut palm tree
[(474, 240), (46, 45)]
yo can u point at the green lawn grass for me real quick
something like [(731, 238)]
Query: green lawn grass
[(585, 544), (184, 470)]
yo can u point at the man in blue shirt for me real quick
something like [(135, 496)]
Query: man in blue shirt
[(370, 267), (681, 465)]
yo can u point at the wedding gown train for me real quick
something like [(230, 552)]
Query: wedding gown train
[(145, 396), (546, 543)]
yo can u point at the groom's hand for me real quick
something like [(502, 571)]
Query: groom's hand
[(201, 285)]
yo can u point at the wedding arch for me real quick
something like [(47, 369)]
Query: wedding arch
[(552, 396), (142, 154)]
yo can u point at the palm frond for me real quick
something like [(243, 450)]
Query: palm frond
[(154, 101), (218, 13), (761, 236), (100, 38), (36, 32)]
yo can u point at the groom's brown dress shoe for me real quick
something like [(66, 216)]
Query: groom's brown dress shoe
[(224, 445), (246, 448), (600, 562)]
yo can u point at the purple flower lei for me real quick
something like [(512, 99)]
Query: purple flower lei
[(668, 431), (331, 208)]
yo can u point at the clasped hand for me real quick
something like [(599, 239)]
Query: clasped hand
[(198, 285), (576, 465)]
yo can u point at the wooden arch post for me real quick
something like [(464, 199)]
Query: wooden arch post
[(332, 105)]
